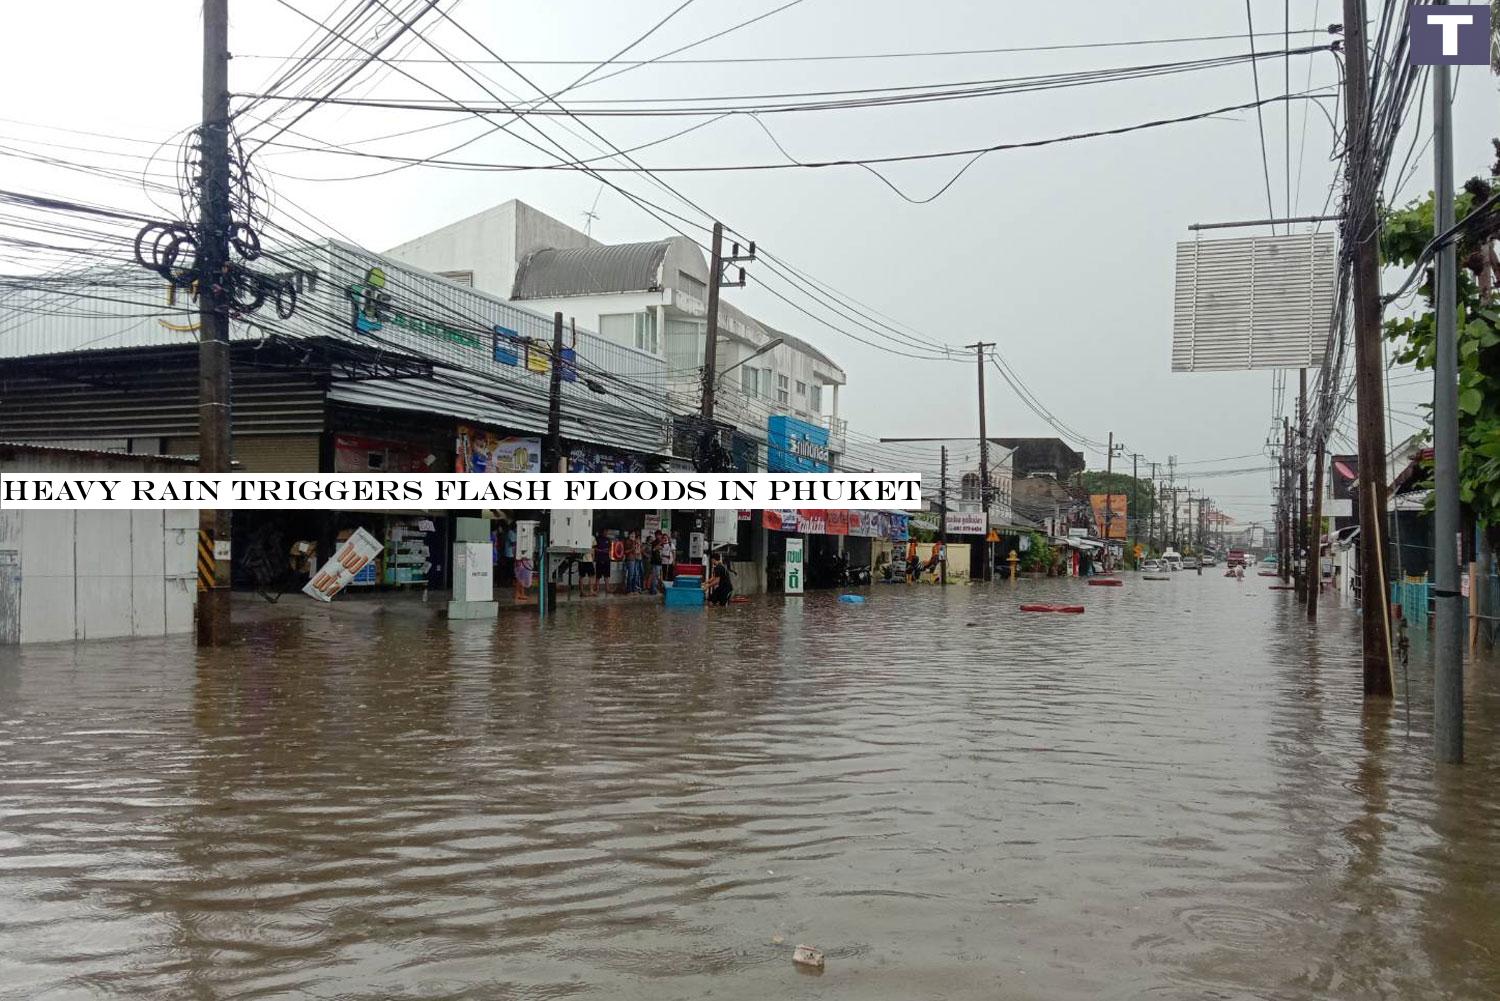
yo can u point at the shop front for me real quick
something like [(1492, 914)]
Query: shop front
[(831, 540)]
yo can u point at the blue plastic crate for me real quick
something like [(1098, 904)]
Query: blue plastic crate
[(684, 597)]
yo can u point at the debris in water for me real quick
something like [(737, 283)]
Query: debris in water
[(778, 938), (806, 955)]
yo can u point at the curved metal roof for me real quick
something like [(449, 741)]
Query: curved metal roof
[(623, 267)]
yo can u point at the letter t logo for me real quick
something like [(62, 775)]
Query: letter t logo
[(1450, 34), (1449, 23)]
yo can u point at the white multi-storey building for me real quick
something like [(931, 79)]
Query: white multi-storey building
[(649, 296)]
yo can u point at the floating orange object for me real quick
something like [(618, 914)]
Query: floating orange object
[(1105, 582), (1065, 609)]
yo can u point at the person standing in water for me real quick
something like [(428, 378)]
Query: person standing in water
[(719, 585)]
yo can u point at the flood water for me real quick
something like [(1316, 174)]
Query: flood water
[(1174, 795)]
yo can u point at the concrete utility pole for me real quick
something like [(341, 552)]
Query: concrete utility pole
[(1134, 514), (1109, 496), (716, 263), (1176, 538), (1287, 545), (943, 515), (1299, 537), (551, 460), (1315, 551), (1448, 652), (1360, 231), (215, 446), (984, 464), (711, 343), (552, 453), (1155, 507)]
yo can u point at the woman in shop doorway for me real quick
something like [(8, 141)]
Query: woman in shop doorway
[(632, 563), (668, 554), (601, 564), (650, 552), (523, 578), (508, 560), (719, 585)]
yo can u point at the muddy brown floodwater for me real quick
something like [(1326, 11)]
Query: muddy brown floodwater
[(1175, 795)]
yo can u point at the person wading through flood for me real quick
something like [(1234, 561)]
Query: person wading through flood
[(719, 584)]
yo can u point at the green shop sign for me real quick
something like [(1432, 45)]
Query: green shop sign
[(373, 310)]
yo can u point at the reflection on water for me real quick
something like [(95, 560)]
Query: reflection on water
[(1175, 795)]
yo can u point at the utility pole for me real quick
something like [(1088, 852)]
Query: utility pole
[(1155, 506), (552, 453), (551, 461), (1172, 480), (1448, 652), (1189, 526), (1135, 498), (1359, 231), (711, 344), (1175, 537), (215, 445), (1299, 536), (1315, 551), (984, 465), (1109, 496), (716, 263), (1287, 546), (943, 516)]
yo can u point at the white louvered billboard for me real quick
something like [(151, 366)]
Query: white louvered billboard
[(1255, 302)]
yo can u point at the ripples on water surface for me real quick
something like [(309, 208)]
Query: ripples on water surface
[(1174, 795)]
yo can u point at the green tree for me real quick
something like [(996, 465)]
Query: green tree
[(1039, 555), (1406, 233)]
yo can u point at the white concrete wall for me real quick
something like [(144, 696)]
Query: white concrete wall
[(85, 575), (491, 244)]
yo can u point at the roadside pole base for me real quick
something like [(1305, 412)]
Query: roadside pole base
[(473, 610)]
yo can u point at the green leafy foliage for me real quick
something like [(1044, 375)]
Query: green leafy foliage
[(1039, 555), (1405, 234)]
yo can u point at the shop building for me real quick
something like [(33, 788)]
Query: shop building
[(380, 368)]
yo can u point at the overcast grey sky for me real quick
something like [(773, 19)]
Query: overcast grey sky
[(1063, 254)]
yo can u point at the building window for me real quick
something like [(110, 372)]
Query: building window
[(783, 386), (801, 388), (637, 330), (684, 344), (815, 397), (694, 287), (970, 487), (462, 277), (645, 331), (749, 380), (618, 327)]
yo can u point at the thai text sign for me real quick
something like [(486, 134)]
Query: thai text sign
[(794, 446), (794, 566)]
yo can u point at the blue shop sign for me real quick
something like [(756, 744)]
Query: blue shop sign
[(794, 446)]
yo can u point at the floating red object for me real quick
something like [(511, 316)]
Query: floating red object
[(1105, 582), (1065, 609)]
